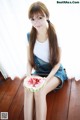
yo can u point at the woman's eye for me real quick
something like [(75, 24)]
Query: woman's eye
[(32, 19), (40, 17)]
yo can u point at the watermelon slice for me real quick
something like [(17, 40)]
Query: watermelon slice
[(34, 83)]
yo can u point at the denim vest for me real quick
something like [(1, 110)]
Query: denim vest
[(43, 68)]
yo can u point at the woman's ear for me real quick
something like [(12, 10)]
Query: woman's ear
[(47, 18)]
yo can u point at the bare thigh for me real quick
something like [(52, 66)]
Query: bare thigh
[(51, 85)]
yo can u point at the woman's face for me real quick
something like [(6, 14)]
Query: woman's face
[(38, 21)]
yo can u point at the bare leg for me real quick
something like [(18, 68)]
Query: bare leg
[(40, 98), (28, 105), (41, 107)]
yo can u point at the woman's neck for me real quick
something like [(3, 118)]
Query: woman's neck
[(42, 35)]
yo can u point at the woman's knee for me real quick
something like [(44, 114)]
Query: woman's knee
[(28, 93), (39, 95)]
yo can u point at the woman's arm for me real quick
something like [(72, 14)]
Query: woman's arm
[(54, 70)]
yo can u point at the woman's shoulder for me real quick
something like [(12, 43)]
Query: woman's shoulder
[(28, 36), (59, 50)]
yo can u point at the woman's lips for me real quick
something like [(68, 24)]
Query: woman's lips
[(38, 26)]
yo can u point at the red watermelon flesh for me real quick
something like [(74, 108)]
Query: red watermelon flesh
[(34, 81)]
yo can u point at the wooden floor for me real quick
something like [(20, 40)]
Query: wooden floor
[(62, 105)]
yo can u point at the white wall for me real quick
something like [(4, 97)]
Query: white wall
[(14, 25)]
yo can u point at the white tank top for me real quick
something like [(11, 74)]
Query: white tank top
[(41, 50)]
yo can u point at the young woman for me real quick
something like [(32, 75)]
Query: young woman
[(44, 57)]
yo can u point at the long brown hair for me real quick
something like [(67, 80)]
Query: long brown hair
[(39, 7)]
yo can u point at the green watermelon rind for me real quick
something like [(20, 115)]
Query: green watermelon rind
[(34, 90)]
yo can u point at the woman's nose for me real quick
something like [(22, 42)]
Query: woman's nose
[(36, 21)]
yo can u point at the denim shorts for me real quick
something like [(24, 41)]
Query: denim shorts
[(43, 69)]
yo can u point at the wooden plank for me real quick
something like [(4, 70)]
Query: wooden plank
[(50, 99), (21, 116), (74, 107), (4, 86), (59, 102), (17, 104), (1, 77), (9, 95)]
